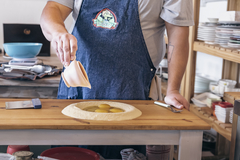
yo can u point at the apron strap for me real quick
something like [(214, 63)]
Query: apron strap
[(155, 89)]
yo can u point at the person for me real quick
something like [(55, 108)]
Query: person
[(120, 43)]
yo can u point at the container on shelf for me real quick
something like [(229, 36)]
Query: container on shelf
[(222, 111), (205, 99)]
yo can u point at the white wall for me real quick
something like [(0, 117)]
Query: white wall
[(208, 65), (22, 11), (212, 10)]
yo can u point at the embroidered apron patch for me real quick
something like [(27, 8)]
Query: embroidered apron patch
[(105, 19)]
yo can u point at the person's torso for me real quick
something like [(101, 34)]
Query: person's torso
[(153, 27)]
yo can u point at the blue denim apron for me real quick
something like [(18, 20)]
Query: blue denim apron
[(115, 58), (112, 49)]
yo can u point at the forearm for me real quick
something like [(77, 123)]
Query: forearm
[(53, 27), (178, 48), (52, 19)]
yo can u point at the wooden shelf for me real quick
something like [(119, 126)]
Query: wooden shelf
[(216, 50), (205, 113), (231, 96)]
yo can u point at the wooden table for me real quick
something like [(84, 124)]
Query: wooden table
[(46, 87), (156, 126)]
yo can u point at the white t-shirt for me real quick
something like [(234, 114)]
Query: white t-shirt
[(153, 14)]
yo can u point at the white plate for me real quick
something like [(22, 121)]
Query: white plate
[(230, 27), (229, 22), (233, 45), (75, 110), (206, 30), (201, 99), (207, 38), (223, 37)]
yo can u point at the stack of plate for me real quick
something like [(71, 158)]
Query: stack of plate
[(231, 116), (206, 32), (236, 32), (228, 34), (222, 114), (235, 38), (222, 36), (201, 83), (234, 42)]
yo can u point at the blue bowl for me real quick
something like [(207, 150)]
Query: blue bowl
[(22, 50)]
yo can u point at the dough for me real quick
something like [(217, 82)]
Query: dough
[(75, 110)]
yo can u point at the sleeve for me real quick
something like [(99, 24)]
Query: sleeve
[(178, 12), (68, 3)]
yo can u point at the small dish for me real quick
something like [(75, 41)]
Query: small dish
[(75, 75), (213, 19), (201, 99)]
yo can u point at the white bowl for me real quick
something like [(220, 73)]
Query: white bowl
[(227, 83), (213, 87), (213, 19)]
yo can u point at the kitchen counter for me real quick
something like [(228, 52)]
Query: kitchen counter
[(156, 126), (51, 81), (46, 87)]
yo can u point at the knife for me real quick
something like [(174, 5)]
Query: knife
[(34, 103)]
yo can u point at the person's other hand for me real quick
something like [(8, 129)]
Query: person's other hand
[(65, 45), (177, 100)]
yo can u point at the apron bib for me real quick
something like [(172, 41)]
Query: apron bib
[(112, 49)]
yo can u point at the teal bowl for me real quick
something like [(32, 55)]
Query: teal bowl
[(22, 50)]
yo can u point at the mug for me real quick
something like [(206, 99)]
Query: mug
[(75, 75)]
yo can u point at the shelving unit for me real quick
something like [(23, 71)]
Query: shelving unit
[(231, 57), (230, 70), (205, 113)]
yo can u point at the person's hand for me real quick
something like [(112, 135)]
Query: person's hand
[(176, 99), (65, 45)]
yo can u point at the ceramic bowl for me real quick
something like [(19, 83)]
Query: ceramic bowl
[(213, 19), (22, 50), (75, 75), (213, 87), (227, 83)]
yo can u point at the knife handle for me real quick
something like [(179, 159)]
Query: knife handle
[(161, 104), (36, 103)]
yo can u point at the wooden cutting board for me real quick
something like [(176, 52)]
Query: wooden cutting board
[(153, 117)]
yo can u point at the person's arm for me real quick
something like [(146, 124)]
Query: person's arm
[(178, 47), (52, 24)]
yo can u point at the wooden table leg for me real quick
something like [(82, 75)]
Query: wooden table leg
[(190, 145)]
